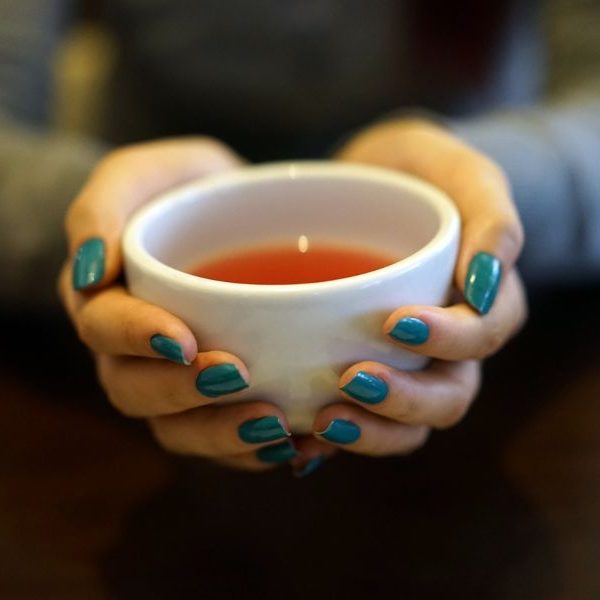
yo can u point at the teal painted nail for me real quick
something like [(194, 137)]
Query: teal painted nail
[(88, 266), (410, 330), (366, 388), (219, 380), (340, 432), (482, 281), (310, 467), (265, 429), (277, 454), (169, 348)]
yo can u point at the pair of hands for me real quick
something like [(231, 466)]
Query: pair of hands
[(383, 411)]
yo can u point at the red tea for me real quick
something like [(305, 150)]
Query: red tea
[(288, 264)]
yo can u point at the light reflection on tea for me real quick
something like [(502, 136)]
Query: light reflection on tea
[(303, 262)]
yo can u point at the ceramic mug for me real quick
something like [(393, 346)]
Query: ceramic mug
[(296, 339)]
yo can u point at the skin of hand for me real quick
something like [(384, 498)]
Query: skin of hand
[(147, 359), (131, 339), (386, 411)]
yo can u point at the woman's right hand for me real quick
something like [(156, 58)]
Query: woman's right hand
[(147, 359)]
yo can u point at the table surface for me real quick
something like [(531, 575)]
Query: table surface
[(506, 505)]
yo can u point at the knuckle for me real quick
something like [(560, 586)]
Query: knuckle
[(131, 335), (406, 442), (406, 409), (388, 446), (466, 159), (487, 168), (115, 157), (84, 327), (511, 237), (74, 215), (107, 379), (118, 397), (170, 399), (81, 212), (119, 403), (466, 392), (522, 318), (492, 340), (491, 168), (103, 370), (62, 287), (213, 443), (166, 436), (467, 388), (505, 231), (218, 155), (522, 312), (213, 144), (421, 436), (456, 412)]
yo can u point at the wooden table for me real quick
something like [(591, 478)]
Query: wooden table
[(507, 505)]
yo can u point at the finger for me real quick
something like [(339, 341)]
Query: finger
[(492, 235), (139, 387), (264, 459), (356, 430), (312, 454), (113, 322), (249, 428), (438, 396), (121, 183), (70, 298), (245, 462), (456, 332)]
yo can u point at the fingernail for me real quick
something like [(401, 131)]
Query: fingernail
[(310, 467), (219, 380), (88, 266), (265, 429), (410, 330), (366, 388), (277, 454), (169, 348), (340, 432), (482, 281)]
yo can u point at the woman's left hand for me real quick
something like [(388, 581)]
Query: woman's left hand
[(387, 411)]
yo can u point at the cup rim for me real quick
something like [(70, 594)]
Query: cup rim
[(135, 252)]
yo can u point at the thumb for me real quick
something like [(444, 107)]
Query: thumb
[(121, 183)]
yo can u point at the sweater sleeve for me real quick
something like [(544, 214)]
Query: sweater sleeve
[(40, 171), (551, 152)]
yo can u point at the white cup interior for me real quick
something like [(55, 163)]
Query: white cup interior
[(345, 205)]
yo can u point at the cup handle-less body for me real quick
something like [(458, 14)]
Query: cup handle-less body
[(296, 340)]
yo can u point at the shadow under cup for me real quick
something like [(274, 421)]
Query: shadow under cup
[(296, 339)]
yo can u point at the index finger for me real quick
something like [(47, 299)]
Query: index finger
[(121, 183)]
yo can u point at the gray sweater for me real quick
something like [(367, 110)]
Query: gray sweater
[(290, 78)]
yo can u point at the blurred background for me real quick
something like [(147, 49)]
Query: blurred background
[(506, 505), (82, 68)]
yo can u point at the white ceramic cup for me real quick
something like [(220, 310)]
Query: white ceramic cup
[(296, 339)]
